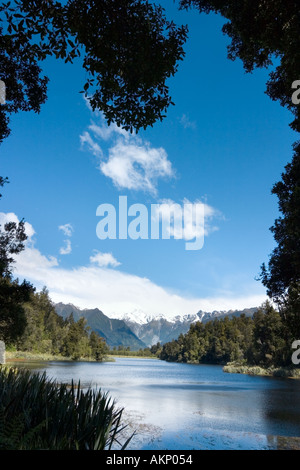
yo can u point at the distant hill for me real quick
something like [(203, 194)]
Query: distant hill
[(115, 332), (159, 329), (206, 316), (138, 330)]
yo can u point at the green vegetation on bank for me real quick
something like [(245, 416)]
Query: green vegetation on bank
[(28, 320), (241, 367), (126, 351), (263, 342), (39, 414), (48, 335)]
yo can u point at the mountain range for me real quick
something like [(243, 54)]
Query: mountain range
[(138, 330), (114, 331)]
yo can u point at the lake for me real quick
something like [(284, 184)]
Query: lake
[(183, 407)]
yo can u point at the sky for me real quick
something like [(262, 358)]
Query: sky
[(221, 147)]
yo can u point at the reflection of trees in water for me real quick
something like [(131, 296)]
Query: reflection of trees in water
[(282, 412)]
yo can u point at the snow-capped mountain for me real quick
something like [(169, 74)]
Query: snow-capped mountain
[(138, 329), (151, 329), (140, 317)]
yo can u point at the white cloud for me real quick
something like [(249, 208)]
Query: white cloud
[(92, 146), (131, 163), (30, 259), (11, 217), (67, 229), (185, 224), (105, 132), (113, 291), (187, 123), (104, 260), (32, 262), (136, 166), (67, 249)]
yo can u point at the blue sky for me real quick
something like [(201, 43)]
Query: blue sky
[(224, 143)]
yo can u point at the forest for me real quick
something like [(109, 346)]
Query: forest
[(263, 340), (46, 332)]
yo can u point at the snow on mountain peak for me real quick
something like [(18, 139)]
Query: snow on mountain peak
[(140, 317)]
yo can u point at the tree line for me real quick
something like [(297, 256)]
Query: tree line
[(142, 352), (46, 332), (264, 339)]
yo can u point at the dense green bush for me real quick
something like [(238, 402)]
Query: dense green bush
[(37, 413), (264, 340), (46, 332)]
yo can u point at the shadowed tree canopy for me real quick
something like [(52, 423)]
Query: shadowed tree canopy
[(128, 50), (12, 238), (283, 270), (263, 33), (12, 293)]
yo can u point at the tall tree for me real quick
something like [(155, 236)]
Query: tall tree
[(269, 344), (98, 346), (129, 50), (12, 293), (283, 271), (76, 342)]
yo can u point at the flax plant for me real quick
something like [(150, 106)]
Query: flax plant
[(38, 413)]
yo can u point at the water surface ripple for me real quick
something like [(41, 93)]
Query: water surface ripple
[(182, 406)]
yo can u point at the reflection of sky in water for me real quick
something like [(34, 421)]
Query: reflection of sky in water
[(183, 406)]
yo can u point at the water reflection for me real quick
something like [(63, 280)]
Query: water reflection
[(181, 406)]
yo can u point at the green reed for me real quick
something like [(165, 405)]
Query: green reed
[(38, 413)]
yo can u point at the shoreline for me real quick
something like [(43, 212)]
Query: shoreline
[(283, 372), (26, 356), (230, 367)]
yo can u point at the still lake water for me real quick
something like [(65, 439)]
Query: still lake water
[(183, 407)]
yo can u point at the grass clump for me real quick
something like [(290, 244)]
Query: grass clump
[(240, 367), (37, 413)]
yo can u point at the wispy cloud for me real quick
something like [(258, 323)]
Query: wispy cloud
[(88, 142), (130, 162), (67, 229), (105, 132), (185, 224), (187, 123), (104, 260), (67, 249)]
